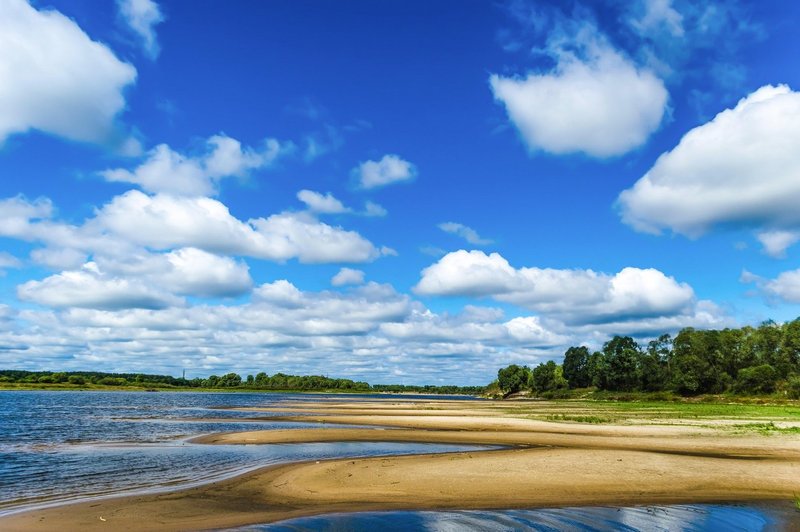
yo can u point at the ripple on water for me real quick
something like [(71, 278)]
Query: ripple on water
[(688, 518)]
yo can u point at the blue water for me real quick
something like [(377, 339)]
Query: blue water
[(688, 518), (60, 446)]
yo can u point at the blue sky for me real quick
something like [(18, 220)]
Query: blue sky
[(389, 191)]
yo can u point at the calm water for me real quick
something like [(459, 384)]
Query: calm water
[(59, 446), (699, 518)]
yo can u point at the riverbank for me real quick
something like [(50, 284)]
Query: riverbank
[(664, 457)]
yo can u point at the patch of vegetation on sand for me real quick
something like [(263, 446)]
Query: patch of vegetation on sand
[(765, 428), (596, 420)]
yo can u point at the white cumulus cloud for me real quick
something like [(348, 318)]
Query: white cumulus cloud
[(740, 169), (373, 209), (785, 287), (56, 79), (141, 280), (164, 222), (8, 260), (574, 296), (166, 170), (467, 233), (390, 169), (594, 101), (142, 17), (89, 288), (321, 203), (347, 276)]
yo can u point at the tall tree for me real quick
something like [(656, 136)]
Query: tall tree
[(576, 367), (513, 378), (622, 371)]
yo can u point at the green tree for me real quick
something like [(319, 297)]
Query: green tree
[(513, 378), (547, 377), (698, 363), (597, 370), (230, 380), (654, 364), (788, 360), (576, 367), (621, 355)]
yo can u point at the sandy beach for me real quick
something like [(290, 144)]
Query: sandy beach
[(542, 464)]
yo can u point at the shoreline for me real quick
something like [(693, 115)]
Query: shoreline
[(542, 464)]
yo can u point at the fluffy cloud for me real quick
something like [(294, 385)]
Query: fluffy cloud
[(144, 280), (91, 289), (347, 276), (390, 169), (574, 296), (372, 209), (163, 222), (656, 16), (8, 261), (595, 100), (56, 78), (194, 272), (168, 171), (323, 204), (142, 16), (161, 247), (467, 233), (777, 242), (785, 287), (740, 169), (290, 235), (429, 327)]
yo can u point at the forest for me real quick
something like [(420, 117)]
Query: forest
[(761, 360)]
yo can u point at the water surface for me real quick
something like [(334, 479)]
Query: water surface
[(685, 518), (60, 446)]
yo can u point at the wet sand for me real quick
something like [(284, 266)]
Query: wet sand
[(545, 464)]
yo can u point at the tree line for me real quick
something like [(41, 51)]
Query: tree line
[(260, 381), (749, 360)]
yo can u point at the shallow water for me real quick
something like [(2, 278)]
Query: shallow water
[(59, 446), (695, 517)]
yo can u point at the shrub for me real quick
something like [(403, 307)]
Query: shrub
[(756, 379), (793, 387)]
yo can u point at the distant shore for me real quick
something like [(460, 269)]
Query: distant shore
[(655, 459)]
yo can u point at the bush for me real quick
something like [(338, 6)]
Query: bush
[(793, 387), (77, 380), (556, 394), (756, 379), (112, 381)]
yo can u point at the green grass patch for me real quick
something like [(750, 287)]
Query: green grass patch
[(578, 419), (765, 428)]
